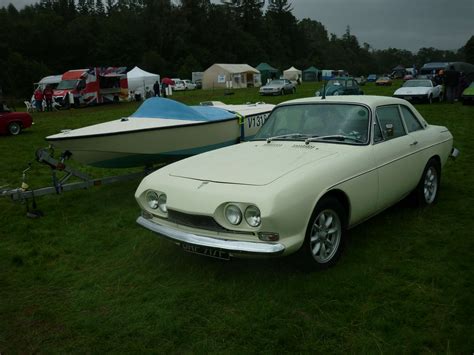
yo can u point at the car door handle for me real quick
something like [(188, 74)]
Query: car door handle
[(414, 143)]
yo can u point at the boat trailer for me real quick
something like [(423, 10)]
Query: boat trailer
[(60, 184)]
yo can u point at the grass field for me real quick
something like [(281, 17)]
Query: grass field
[(85, 278)]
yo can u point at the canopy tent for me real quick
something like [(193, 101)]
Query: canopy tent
[(268, 72), (311, 74), (292, 74), (236, 76), (398, 72), (141, 81)]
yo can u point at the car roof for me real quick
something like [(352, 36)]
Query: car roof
[(369, 100)]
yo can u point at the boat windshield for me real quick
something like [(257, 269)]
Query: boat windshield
[(341, 123), (67, 84)]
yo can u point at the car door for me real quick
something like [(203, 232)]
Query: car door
[(394, 156)]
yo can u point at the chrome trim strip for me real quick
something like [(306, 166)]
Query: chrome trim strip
[(232, 246)]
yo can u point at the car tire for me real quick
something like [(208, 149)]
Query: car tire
[(430, 99), (427, 190), (293, 91), (282, 92), (324, 239), (14, 128)]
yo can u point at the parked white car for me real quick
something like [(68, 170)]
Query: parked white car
[(189, 85), (178, 85), (420, 89), (316, 168)]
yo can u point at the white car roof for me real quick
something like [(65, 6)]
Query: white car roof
[(368, 100)]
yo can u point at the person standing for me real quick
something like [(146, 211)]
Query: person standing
[(451, 82), (38, 100), (48, 97), (156, 88)]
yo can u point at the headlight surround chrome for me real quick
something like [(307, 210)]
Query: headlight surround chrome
[(233, 214), (152, 199), (253, 216)]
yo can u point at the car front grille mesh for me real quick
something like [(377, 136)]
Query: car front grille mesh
[(200, 222)]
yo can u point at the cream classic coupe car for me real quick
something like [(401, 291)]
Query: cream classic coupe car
[(316, 168)]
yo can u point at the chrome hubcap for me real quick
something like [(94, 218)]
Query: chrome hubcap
[(325, 236), (14, 129), (431, 185)]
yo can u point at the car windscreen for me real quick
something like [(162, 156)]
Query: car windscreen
[(417, 84), (67, 85), (348, 123), (276, 82)]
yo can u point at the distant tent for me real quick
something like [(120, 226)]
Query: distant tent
[(268, 72), (219, 76), (292, 74), (311, 74), (398, 72), (141, 81)]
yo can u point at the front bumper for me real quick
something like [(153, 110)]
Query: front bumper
[(233, 247)]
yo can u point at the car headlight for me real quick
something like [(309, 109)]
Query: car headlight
[(152, 199), (233, 214), (162, 203), (252, 216)]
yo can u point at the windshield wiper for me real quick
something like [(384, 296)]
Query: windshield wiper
[(289, 135), (337, 137)]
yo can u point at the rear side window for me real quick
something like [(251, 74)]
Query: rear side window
[(411, 121), (390, 122)]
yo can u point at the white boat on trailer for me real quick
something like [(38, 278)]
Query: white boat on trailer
[(161, 131)]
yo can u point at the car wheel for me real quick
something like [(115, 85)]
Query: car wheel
[(428, 187), (293, 90), (14, 128), (324, 238), (430, 99)]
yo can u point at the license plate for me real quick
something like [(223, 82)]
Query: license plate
[(206, 251)]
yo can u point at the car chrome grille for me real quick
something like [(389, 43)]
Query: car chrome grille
[(200, 222)]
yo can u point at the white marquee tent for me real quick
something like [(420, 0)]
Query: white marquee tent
[(141, 81), (292, 73)]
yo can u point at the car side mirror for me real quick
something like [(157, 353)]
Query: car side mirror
[(389, 129)]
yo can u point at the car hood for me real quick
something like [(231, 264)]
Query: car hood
[(272, 86), (251, 163), (468, 91), (412, 91)]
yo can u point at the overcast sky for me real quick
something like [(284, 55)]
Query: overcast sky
[(404, 24)]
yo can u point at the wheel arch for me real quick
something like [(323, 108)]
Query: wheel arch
[(343, 199)]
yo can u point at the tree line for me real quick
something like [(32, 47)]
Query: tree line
[(174, 38)]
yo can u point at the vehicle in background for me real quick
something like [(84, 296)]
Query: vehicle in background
[(82, 87), (383, 81), (13, 123), (278, 87), (188, 84), (361, 80), (51, 80), (467, 95), (178, 85), (198, 83), (408, 77), (341, 86), (371, 78), (420, 89), (435, 67)]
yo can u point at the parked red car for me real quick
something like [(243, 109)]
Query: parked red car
[(13, 122)]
